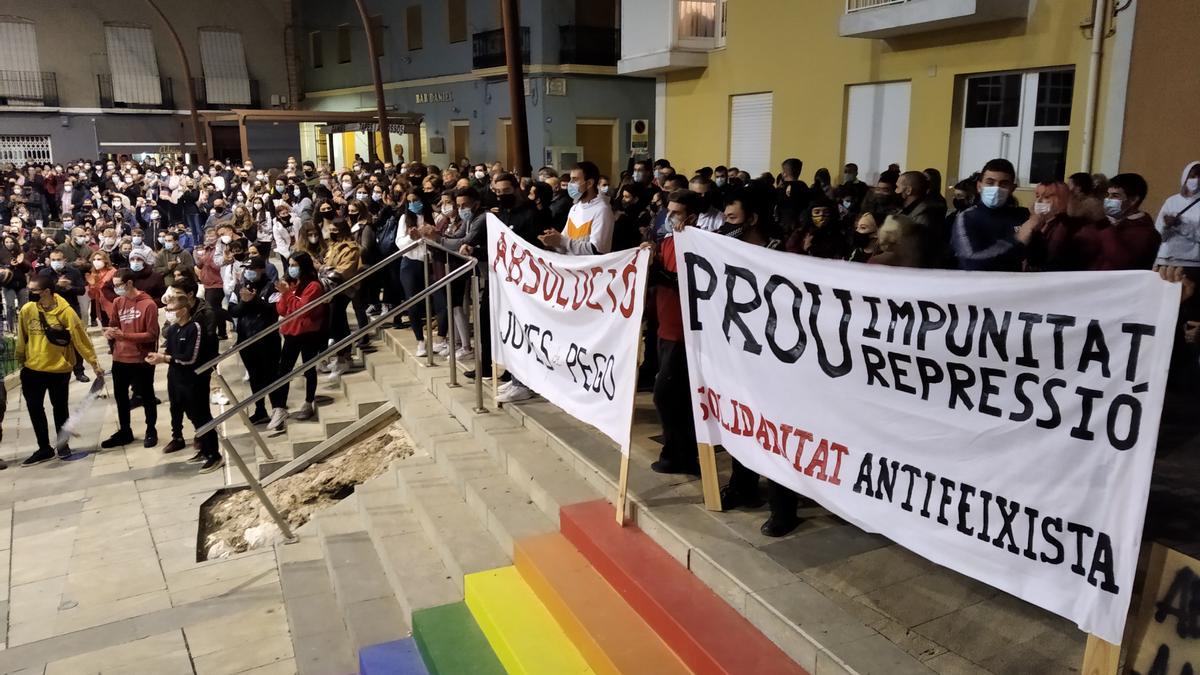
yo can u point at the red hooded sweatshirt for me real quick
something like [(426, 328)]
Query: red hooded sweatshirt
[(137, 317)]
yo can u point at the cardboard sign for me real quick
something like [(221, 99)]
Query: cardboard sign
[(1165, 639)]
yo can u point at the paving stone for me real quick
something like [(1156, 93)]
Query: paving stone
[(371, 622), (299, 579), (509, 513), (325, 653), (314, 614), (238, 658), (248, 626), (163, 653), (924, 598)]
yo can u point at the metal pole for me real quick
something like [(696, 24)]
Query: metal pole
[(1093, 85), (475, 281), (428, 309), (516, 86), (258, 439), (232, 453), (197, 135), (450, 335), (385, 138)]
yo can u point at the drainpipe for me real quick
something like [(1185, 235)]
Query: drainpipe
[(1099, 28)]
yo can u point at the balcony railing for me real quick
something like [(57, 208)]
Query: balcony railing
[(589, 46), (487, 48), (858, 5), (27, 87), (202, 97), (108, 100)]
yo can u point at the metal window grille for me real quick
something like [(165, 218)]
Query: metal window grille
[(25, 149), (856, 5)]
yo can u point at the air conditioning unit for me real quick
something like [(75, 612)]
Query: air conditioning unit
[(563, 157)]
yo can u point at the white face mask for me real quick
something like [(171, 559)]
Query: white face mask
[(447, 209), (1041, 208), (225, 238), (98, 264), (1192, 184)]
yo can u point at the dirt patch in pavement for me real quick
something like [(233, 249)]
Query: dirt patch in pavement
[(238, 522)]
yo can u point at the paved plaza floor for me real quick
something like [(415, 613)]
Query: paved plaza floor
[(97, 562)]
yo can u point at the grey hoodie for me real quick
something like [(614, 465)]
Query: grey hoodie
[(1181, 243)]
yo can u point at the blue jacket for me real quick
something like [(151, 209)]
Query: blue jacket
[(985, 239)]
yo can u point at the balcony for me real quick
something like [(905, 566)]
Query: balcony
[(487, 49), (588, 46), (109, 99), (894, 18), (659, 36), (204, 99), (28, 88)]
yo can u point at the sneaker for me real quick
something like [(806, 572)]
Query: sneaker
[(64, 453), (278, 419), (421, 348), (151, 439), (503, 387), (260, 417), (515, 393), (197, 458), (470, 375), (212, 464), (218, 397), (82, 377), (373, 310), (175, 445), (340, 367), (441, 348), (306, 411), (464, 353), (122, 437), (246, 376), (38, 457)]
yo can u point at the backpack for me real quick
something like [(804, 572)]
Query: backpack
[(385, 236)]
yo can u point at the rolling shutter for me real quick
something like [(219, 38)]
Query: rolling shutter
[(134, 65), (19, 56), (224, 60), (750, 132)]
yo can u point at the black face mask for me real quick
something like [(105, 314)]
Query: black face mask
[(507, 201), (328, 215), (240, 257), (961, 204), (862, 239)]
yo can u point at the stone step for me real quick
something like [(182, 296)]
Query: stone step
[(451, 642), (412, 564), (399, 657), (319, 637), (462, 541), (369, 609)]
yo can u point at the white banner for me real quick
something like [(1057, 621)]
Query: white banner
[(568, 326), (1002, 425)]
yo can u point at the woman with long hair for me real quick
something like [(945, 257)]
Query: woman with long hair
[(99, 285), (303, 336), (311, 241), (1054, 219), (341, 263)]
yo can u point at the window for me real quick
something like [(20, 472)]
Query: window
[(412, 27), (224, 61), (343, 43), (20, 78), (316, 51), (457, 19), (1022, 117), (377, 35), (24, 149), (750, 132), (134, 65)]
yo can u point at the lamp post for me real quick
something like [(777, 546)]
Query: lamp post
[(380, 104)]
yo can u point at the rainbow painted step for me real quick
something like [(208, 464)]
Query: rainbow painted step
[(703, 630), (520, 629), (399, 657), (451, 642)]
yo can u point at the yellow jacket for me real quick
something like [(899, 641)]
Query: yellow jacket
[(35, 352)]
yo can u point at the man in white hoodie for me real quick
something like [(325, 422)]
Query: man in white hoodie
[(1179, 222), (589, 232)]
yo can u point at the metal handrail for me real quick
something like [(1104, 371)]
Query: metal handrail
[(427, 292), (325, 298)]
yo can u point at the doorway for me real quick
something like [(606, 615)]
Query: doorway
[(877, 127), (598, 138), (505, 142), (460, 140)]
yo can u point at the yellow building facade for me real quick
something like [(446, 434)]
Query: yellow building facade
[(793, 50)]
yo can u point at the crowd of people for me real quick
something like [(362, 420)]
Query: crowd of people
[(170, 260)]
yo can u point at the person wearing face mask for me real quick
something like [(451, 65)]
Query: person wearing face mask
[(1126, 239), (284, 228), (1179, 223), (301, 203), (252, 307), (865, 239), (220, 215), (208, 272), (984, 236), (77, 250), (141, 246), (303, 336), (173, 257), (632, 217), (46, 366), (1049, 234), (145, 278), (415, 224), (560, 202), (711, 219), (470, 220), (311, 240), (853, 188), (821, 233), (187, 344), (589, 225), (133, 332), (362, 229), (99, 286), (14, 273), (341, 262)]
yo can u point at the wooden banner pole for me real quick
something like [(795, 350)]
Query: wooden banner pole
[(622, 489), (1100, 657), (710, 482)]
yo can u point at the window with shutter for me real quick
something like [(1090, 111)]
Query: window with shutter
[(224, 62), (20, 80), (750, 132), (343, 43), (457, 18), (412, 27), (134, 65)]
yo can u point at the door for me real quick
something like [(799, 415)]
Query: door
[(877, 126), (750, 132), (991, 121), (507, 142), (598, 140), (596, 13), (460, 140)]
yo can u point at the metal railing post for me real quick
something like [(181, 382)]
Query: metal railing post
[(451, 337), (475, 340), (428, 309), (258, 439), (232, 453)]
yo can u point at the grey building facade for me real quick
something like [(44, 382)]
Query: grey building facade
[(444, 60), (80, 78)]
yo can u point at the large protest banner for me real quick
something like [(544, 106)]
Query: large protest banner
[(568, 326), (1002, 425)]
